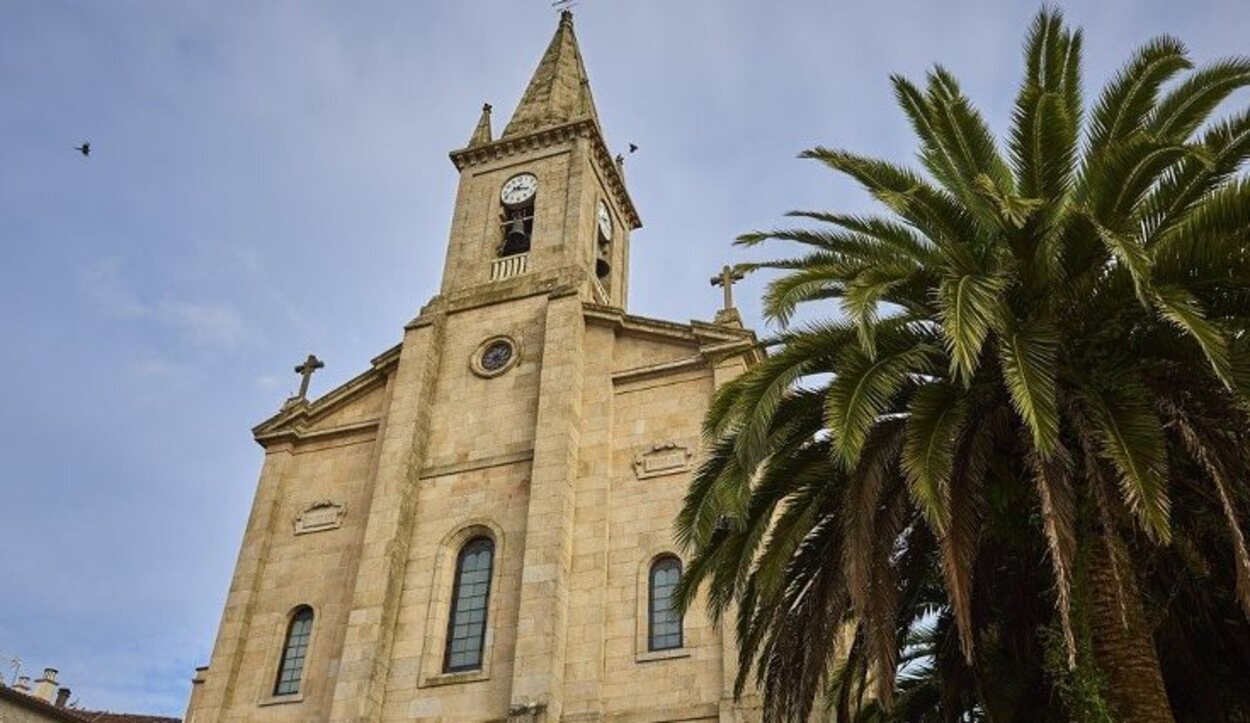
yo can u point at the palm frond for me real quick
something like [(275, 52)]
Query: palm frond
[(1054, 489), (1215, 456), (958, 545), (1181, 308), (968, 306), (1029, 357), (1131, 254), (1127, 100), (863, 389), (1225, 146), (938, 216), (1132, 440), (1186, 107), (933, 419)]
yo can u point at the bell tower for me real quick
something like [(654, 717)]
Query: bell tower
[(543, 206)]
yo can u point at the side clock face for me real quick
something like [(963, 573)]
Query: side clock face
[(496, 356), (605, 221), (518, 189)]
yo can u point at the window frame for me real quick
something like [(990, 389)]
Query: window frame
[(659, 564), (295, 617), (461, 556)]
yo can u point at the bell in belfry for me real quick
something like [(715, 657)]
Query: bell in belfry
[(603, 266), (516, 240)]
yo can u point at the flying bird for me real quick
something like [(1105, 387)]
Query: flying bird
[(632, 147), (84, 149)]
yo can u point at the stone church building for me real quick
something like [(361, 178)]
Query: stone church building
[(479, 526)]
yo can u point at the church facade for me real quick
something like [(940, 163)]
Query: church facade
[(479, 526)]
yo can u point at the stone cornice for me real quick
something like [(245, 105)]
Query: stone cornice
[(696, 332), (580, 128), (714, 342), (296, 432)]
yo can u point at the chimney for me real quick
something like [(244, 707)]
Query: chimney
[(45, 687), (23, 684), (62, 697)]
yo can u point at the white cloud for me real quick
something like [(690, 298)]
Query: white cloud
[(197, 323), (202, 324), (102, 283)]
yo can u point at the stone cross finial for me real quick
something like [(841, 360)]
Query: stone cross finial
[(305, 370), (728, 275)]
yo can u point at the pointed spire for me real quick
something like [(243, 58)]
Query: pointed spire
[(559, 92), (482, 133)]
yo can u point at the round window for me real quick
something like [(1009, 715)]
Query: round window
[(494, 356)]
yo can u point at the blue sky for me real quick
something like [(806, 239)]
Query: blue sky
[(269, 179)]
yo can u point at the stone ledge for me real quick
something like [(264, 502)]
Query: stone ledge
[(281, 699), (654, 655), (439, 679)]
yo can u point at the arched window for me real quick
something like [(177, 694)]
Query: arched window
[(663, 617), (466, 629), (294, 651)]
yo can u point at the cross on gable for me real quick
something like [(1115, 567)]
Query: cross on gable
[(728, 275), (305, 370)]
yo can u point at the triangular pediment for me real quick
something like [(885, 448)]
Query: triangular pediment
[(354, 406)]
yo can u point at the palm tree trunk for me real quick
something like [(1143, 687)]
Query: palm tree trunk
[(1125, 653)]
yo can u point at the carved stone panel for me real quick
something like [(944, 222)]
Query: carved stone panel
[(323, 515), (662, 459)]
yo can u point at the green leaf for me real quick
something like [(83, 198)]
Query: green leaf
[(1188, 105), (890, 233), (1225, 148), (1210, 240), (864, 293), (1129, 252), (863, 390), (1129, 173), (1181, 308), (1130, 96), (957, 145), (784, 294), (934, 416), (1042, 145), (762, 388), (1072, 78), (1132, 438), (968, 306), (1029, 357), (936, 214)]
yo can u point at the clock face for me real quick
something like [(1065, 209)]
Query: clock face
[(496, 356), (605, 221), (518, 189)]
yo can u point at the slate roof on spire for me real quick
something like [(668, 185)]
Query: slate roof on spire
[(559, 92)]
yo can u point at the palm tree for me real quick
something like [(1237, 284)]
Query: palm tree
[(1042, 354)]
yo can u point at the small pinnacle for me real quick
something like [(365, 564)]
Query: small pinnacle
[(486, 107)]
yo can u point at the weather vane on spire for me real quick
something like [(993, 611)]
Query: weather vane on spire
[(563, 5)]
